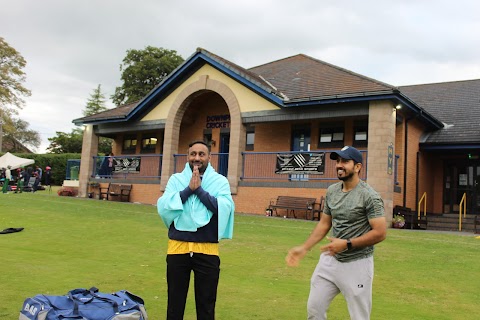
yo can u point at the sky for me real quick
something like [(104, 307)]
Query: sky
[(71, 47)]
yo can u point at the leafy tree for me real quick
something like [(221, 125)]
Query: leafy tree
[(96, 102), (142, 70), (12, 90), (72, 143), (66, 142), (12, 77), (17, 133)]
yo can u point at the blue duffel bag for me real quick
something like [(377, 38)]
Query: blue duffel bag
[(86, 305)]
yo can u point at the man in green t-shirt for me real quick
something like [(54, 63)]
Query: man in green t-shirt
[(355, 214)]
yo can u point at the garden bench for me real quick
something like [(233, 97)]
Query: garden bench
[(293, 203), (114, 190), (318, 209)]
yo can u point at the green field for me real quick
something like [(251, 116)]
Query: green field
[(79, 243)]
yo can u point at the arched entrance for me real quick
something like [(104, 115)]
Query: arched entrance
[(187, 120)]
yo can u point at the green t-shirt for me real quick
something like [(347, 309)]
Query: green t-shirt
[(350, 213)]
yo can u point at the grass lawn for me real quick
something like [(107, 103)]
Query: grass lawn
[(78, 243)]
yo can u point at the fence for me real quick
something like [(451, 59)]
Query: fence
[(145, 167), (261, 166), (258, 166)]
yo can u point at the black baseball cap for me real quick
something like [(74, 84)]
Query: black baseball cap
[(348, 153)]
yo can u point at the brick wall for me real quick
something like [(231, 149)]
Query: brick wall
[(255, 199), (272, 137), (145, 193)]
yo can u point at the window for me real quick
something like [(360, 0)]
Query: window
[(331, 134), (149, 144), (360, 134), (129, 144), (250, 139)]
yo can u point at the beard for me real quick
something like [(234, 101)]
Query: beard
[(201, 168), (346, 177)]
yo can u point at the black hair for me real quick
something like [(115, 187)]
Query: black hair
[(198, 142)]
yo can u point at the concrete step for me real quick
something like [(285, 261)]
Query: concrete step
[(450, 223)]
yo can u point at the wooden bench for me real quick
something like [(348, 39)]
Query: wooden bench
[(120, 191), (293, 203), (318, 209)]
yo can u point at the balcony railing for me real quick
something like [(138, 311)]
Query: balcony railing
[(261, 166), (257, 166), (135, 167)]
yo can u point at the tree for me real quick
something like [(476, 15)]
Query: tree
[(12, 78), (72, 142), (66, 142), (17, 134), (142, 70), (96, 102)]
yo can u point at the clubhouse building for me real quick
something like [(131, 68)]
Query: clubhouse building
[(271, 129)]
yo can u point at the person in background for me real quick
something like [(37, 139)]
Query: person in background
[(8, 177), (36, 174), (20, 173), (110, 165), (48, 176), (198, 210), (27, 174), (40, 172), (2, 175), (356, 215)]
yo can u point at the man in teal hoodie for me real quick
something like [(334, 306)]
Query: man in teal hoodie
[(198, 210)]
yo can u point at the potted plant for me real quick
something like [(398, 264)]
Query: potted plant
[(268, 211), (398, 221)]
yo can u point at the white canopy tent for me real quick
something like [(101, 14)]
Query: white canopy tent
[(14, 162)]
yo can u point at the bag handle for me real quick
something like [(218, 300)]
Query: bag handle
[(93, 292)]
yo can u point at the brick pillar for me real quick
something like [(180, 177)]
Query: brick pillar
[(89, 149), (381, 135)]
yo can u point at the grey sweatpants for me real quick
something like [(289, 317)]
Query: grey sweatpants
[(353, 279)]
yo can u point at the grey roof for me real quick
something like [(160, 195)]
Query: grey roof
[(456, 104), (301, 77), (114, 113)]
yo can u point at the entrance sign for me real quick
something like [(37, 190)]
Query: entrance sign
[(219, 121), (288, 163)]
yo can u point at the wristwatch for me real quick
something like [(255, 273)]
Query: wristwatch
[(349, 244)]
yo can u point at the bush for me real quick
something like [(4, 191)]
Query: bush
[(67, 192), (398, 221)]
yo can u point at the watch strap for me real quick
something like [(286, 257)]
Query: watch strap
[(349, 244)]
